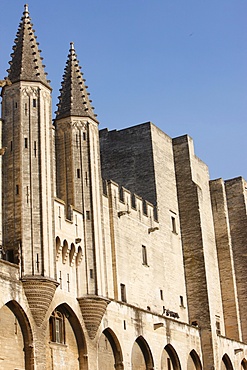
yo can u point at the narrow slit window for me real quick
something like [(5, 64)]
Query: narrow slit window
[(181, 301), (88, 215), (17, 189), (35, 148), (123, 292), (34, 103), (84, 136), (25, 143), (174, 228), (78, 173), (161, 295), (144, 255)]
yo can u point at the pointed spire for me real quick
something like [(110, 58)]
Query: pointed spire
[(26, 63), (74, 98)]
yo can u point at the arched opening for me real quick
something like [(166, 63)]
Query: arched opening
[(141, 356), (244, 364), (71, 254), (58, 246), (109, 351), (226, 363), (66, 341), (16, 338), (194, 362), (170, 359), (64, 251), (79, 256)]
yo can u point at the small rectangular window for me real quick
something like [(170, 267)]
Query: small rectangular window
[(174, 229), (181, 301), (16, 105), (34, 103), (218, 331), (25, 142), (87, 215), (144, 255), (17, 189), (91, 273), (84, 136), (78, 173), (123, 292), (161, 295), (11, 145)]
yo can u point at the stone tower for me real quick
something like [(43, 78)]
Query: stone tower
[(78, 165), (27, 188)]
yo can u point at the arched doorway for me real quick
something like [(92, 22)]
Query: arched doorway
[(226, 363), (194, 362), (67, 347), (16, 338), (169, 359), (109, 351), (141, 356)]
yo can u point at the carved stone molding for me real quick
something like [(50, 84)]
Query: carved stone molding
[(93, 309), (39, 292), (30, 91)]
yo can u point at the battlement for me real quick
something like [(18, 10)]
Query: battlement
[(134, 202)]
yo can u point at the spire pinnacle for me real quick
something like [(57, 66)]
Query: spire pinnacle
[(26, 9), (74, 98), (26, 63)]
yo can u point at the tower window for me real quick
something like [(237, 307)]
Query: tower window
[(161, 295), (144, 255), (16, 105), (174, 228), (181, 301), (84, 136), (25, 142), (17, 189), (57, 327), (123, 292), (88, 215), (78, 173), (34, 103), (218, 331)]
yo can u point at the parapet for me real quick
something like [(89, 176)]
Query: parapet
[(122, 196)]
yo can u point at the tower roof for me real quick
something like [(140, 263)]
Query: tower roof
[(74, 98), (26, 63)]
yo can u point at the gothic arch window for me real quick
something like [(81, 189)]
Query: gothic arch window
[(141, 356), (67, 341), (64, 251), (79, 256), (226, 363), (71, 254), (58, 245), (57, 332), (15, 332), (170, 359), (109, 351), (194, 362)]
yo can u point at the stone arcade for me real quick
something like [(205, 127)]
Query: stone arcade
[(142, 270)]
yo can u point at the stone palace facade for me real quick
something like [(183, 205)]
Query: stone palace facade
[(117, 251)]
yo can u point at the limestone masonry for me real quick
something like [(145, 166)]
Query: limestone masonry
[(117, 251)]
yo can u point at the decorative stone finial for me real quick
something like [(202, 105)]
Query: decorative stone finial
[(72, 46), (26, 9)]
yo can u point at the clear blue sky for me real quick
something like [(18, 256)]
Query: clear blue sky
[(181, 64)]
